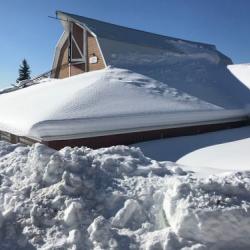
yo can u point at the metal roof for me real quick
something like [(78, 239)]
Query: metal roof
[(129, 35)]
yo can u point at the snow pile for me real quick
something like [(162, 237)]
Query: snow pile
[(60, 199), (115, 198), (102, 102), (214, 211)]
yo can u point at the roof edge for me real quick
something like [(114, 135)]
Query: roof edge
[(148, 32)]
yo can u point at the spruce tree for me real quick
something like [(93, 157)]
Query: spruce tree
[(24, 71)]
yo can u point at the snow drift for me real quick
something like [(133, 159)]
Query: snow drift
[(229, 156), (116, 198), (196, 69)]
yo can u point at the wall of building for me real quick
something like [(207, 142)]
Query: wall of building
[(93, 50), (125, 139), (62, 69), (130, 138)]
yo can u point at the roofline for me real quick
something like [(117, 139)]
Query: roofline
[(218, 118), (59, 45), (147, 32)]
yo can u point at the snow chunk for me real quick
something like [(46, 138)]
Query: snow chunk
[(72, 214), (74, 237), (131, 215), (215, 211), (101, 234)]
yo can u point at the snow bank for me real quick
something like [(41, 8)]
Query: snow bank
[(229, 156), (51, 199), (115, 198), (204, 154), (102, 102)]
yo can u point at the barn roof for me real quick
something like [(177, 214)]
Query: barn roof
[(129, 35)]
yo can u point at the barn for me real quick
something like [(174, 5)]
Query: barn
[(114, 85), (195, 68), (88, 44)]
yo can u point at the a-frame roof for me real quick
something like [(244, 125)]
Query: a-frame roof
[(129, 35)]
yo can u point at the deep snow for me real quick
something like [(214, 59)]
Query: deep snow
[(189, 68), (230, 156), (193, 68), (204, 154), (98, 101), (116, 198), (107, 101)]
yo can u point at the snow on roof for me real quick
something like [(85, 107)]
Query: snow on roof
[(242, 72), (107, 101), (129, 35)]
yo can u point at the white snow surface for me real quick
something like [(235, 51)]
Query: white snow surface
[(102, 102), (116, 198), (204, 154), (226, 156), (241, 72)]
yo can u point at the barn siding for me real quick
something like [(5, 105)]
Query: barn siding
[(134, 137), (77, 69), (127, 138), (78, 35), (62, 69), (94, 49)]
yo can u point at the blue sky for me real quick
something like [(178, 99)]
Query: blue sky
[(27, 32)]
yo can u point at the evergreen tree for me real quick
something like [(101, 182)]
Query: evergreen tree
[(24, 71)]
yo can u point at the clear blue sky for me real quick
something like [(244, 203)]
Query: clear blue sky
[(27, 32)]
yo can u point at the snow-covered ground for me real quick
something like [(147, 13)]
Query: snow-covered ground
[(116, 198), (209, 153), (230, 156)]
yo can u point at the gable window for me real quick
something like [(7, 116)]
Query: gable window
[(77, 44)]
